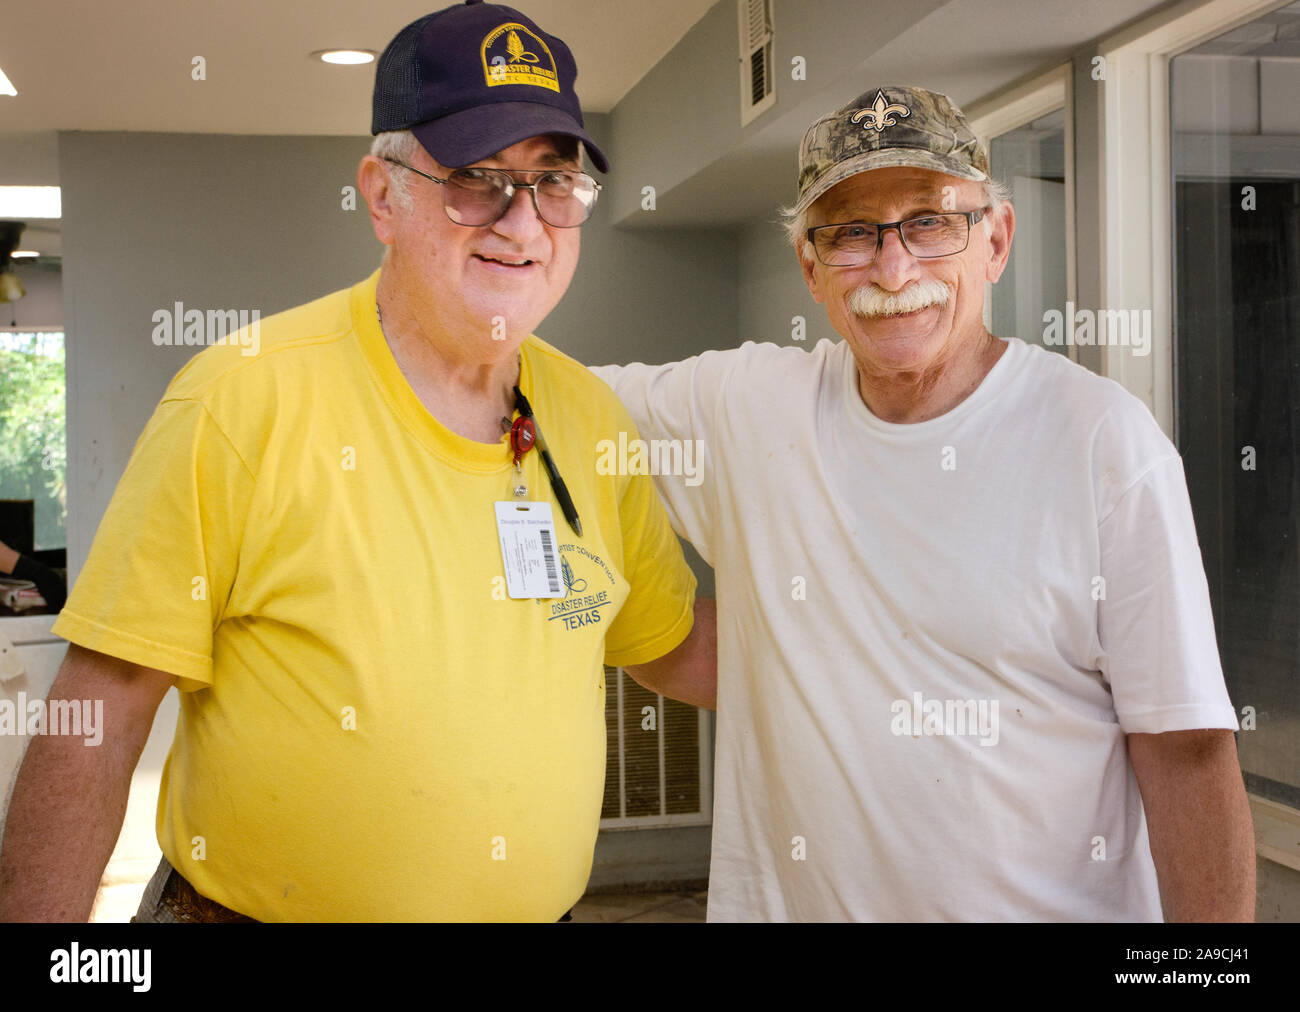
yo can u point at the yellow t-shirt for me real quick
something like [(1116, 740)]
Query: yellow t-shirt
[(370, 729)]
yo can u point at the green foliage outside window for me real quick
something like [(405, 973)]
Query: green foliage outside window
[(33, 443)]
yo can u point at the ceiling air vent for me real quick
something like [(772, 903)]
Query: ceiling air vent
[(757, 89)]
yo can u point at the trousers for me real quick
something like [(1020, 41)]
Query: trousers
[(170, 899)]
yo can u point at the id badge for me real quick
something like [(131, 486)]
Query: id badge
[(528, 549)]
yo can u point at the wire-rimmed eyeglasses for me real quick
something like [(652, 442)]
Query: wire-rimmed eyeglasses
[(477, 196)]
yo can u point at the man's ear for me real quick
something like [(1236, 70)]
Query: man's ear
[(808, 264), (372, 181), (1002, 226)]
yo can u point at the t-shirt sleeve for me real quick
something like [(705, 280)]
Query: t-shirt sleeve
[(678, 402), (1155, 623), (660, 607), (164, 559)]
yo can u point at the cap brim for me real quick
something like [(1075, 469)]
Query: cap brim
[(470, 135), (885, 159)]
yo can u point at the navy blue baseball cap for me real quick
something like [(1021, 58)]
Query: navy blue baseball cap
[(473, 79)]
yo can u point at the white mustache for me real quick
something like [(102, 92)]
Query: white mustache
[(871, 300)]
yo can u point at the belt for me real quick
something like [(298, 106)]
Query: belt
[(192, 907)]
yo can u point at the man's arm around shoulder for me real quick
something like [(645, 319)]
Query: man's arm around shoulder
[(690, 671), (70, 797)]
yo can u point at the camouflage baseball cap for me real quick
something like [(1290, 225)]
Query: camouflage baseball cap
[(884, 127)]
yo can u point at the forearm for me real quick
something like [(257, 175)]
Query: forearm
[(1205, 861), (70, 797), (63, 822), (689, 673), (1200, 828)]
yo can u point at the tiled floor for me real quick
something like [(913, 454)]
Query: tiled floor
[(630, 908)]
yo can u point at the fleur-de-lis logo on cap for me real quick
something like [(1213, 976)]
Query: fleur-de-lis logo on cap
[(516, 49), (879, 115)]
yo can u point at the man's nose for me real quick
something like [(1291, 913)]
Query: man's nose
[(893, 266), (521, 221)]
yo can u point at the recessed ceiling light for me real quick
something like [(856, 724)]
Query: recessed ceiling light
[(6, 88), (24, 254), (345, 56), (24, 202)]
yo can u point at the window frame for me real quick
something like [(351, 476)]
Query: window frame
[(1132, 198), (1018, 104)]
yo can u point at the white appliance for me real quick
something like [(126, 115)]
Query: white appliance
[(30, 656)]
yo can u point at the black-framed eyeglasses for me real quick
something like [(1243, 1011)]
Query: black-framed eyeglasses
[(856, 243), (475, 196)]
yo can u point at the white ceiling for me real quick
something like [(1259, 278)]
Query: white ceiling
[(125, 64)]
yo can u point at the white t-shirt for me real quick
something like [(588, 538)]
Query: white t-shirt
[(933, 638)]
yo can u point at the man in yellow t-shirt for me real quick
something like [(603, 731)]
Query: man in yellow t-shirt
[(392, 686)]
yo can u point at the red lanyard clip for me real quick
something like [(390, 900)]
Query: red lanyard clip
[(523, 434)]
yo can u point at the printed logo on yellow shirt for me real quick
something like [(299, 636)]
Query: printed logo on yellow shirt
[(512, 54), (572, 584), (583, 603)]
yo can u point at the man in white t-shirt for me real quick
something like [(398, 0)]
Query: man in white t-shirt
[(967, 665)]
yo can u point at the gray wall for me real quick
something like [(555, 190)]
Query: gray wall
[(772, 290), (648, 859), (207, 220), (29, 159), (642, 296), (685, 113)]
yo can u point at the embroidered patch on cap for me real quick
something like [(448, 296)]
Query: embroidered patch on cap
[(880, 115), (514, 55)]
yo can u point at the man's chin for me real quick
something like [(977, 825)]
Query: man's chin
[(903, 341)]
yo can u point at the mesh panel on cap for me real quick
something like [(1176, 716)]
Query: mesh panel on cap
[(397, 80)]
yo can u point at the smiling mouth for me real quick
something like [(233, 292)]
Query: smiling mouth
[(899, 317), (505, 261)]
